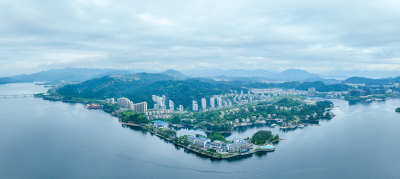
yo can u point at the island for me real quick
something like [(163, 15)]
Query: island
[(397, 109)]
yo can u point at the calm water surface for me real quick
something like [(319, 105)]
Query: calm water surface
[(43, 139)]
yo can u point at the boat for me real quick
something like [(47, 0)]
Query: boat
[(301, 126), (266, 148), (273, 125)]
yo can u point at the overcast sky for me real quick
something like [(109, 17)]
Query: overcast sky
[(315, 35)]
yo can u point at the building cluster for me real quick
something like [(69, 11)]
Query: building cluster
[(235, 98), (217, 101), (159, 102), (241, 146), (161, 110), (363, 89), (127, 104), (160, 105), (280, 92)]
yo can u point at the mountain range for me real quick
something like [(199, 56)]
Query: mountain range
[(68, 75), (260, 75), (62, 75)]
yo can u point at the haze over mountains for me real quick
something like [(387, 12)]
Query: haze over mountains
[(83, 74), (62, 75)]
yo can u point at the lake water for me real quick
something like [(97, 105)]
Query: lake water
[(43, 139)]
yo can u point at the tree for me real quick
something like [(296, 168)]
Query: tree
[(216, 136), (133, 117), (110, 107), (262, 137)]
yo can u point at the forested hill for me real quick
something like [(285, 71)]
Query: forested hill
[(141, 86), (371, 81)]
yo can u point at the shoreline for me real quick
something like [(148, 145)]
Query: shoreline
[(199, 152)]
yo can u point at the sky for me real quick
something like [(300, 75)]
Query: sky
[(325, 37)]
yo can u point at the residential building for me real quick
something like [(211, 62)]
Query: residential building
[(171, 106), (219, 102), (140, 107), (195, 106), (125, 103), (203, 103), (212, 102)]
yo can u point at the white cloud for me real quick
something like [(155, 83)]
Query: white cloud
[(157, 20), (315, 35)]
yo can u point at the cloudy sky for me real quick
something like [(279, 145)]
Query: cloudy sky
[(316, 35)]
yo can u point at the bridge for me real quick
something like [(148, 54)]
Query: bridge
[(16, 95)]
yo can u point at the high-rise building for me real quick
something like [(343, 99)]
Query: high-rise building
[(125, 103), (203, 103), (171, 105), (311, 90), (212, 102), (140, 107), (195, 106), (180, 108), (219, 102), (225, 103), (159, 102)]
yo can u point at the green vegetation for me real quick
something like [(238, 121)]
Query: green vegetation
[(216, 136), (133, 117), (110, 108), (182, 140), (168, 133), (370, 81), (262, 137)]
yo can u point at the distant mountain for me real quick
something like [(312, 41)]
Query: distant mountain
[(229, 73), (5, 80), (295, 75), (66, 75), (176, 74), (318, 85), (371, 81), (258, 75)]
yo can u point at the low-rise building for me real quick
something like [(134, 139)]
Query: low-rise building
[(160, 124), (198, 141)]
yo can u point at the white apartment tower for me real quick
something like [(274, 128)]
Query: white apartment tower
[(195, 106), (203, 103), (219, 102), (171, 106), (212, 102), (140, 107)]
